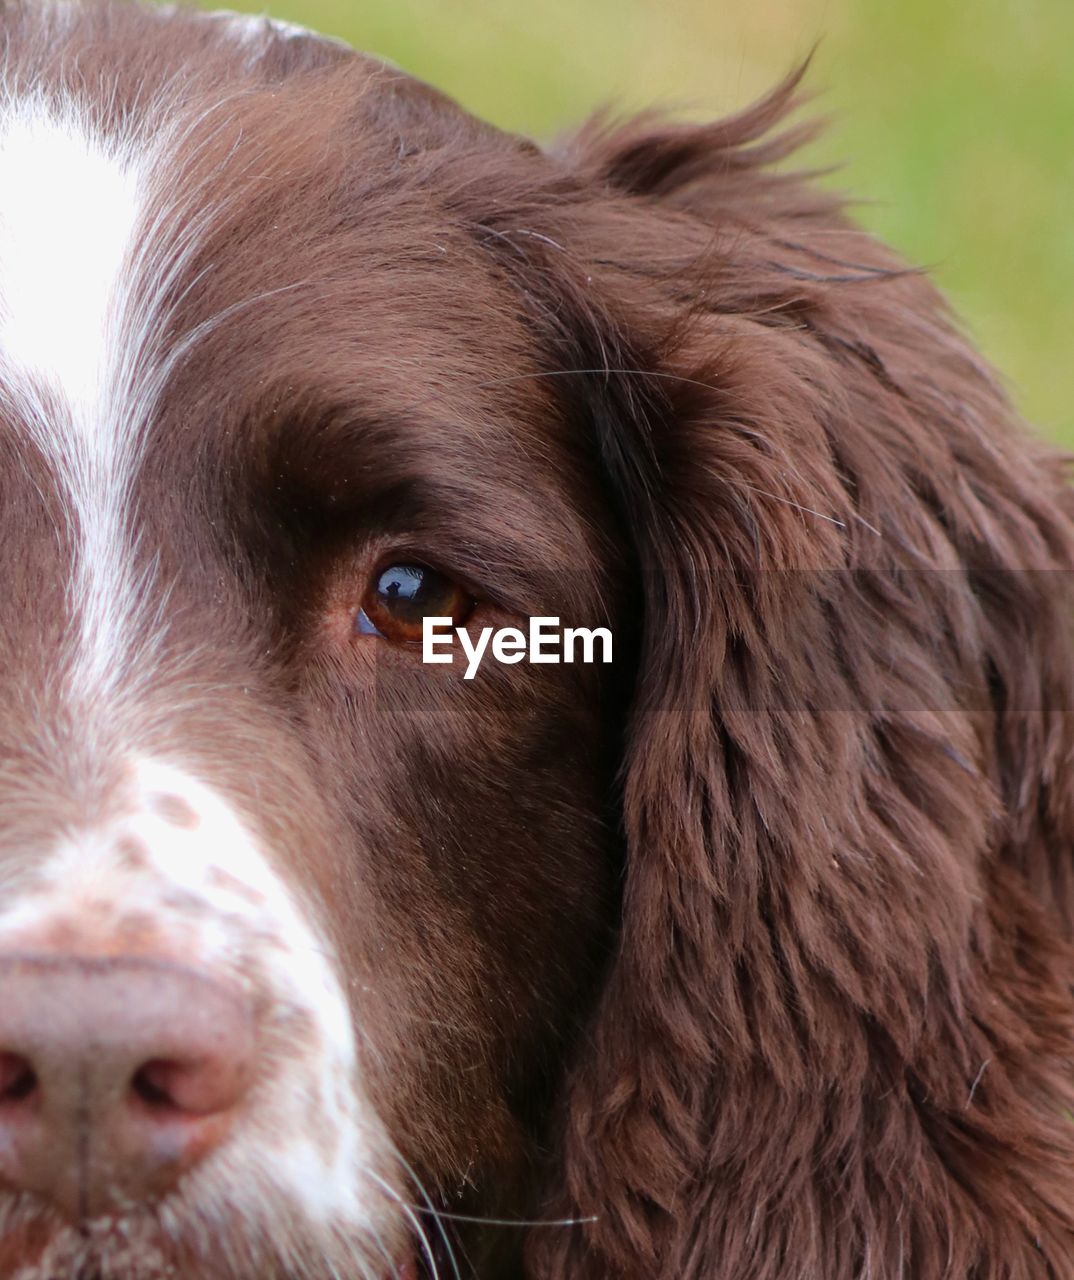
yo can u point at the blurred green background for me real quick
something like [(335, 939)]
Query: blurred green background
[(953, 121)]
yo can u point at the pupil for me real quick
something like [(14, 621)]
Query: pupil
[(401, 584)]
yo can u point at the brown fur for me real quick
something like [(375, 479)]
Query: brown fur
[(836, 1042), (752, 957)]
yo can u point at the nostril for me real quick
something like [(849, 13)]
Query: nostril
[(151, 1083), (18, 1080), (138, 1065), (197, 1087)]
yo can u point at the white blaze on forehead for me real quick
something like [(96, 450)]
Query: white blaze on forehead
[(179, 865), (69, 207)]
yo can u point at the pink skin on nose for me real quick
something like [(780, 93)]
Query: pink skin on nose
[(116, 1077), (188, 954)]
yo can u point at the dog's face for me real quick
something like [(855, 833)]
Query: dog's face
[(332, 913), (743, 957)]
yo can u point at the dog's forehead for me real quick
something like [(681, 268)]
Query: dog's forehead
[(104, 209), (122, 206), (169, 252), (195, 169)]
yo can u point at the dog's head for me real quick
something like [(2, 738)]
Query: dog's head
[(310, 949)]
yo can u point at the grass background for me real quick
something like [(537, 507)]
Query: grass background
[(953, 121)]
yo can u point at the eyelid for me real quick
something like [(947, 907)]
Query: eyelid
[(503, 582), (405, 554)]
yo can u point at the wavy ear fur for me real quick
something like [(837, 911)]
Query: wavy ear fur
[(836, 1041)]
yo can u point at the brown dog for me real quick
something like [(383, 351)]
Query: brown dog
[(744, 957)]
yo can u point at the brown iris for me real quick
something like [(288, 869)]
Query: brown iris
[(402, 596)]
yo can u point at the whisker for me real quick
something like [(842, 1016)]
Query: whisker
[(508, 1222), (741, 484), (429, 1207), (413, 1218), (602, 369)]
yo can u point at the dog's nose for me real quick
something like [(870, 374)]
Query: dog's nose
[(116, 1077)]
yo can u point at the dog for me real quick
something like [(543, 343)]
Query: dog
[(745, 955)]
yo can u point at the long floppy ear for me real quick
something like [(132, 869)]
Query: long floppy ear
[(836, 1039)]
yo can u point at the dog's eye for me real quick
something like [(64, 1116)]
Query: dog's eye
[(401, 596)]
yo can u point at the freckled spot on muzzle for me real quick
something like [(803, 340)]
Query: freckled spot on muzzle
[(132, 853), (221, 879), (174, 810)]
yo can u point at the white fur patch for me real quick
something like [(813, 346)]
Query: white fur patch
[(177, 862), (69, 208), (82, 369), (67, 216)]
